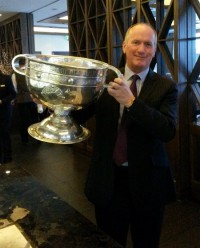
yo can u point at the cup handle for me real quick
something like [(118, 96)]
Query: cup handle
[(117, 71), (14, 60)]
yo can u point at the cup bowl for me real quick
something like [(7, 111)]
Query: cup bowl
[(63, 84)]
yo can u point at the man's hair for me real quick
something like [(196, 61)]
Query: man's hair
[(139, 24)]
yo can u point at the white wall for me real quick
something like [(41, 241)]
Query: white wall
[(46, 43)]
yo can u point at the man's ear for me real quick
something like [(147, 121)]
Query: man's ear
[(155, 52), (124, 47)]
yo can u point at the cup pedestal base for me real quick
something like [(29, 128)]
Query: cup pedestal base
[(62, 137)]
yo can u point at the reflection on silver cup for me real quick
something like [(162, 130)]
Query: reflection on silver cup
[(63, 84)]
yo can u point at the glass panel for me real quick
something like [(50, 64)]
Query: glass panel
[(117, 55), (153, 3), (91, 40), (91, 6), (197, 48), (101, 34), (164, 8), (170, 34), (197, 40), (197, 26), (122, 20), (167, 2), (170, 45), (117, 39), (117, 4), (133, 11), (192, 23), (152, 6), (194, 41), (132, 2), (120, 4), (168, 73), (101, 7)]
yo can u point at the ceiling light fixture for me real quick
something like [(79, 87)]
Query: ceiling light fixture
[(63, 18), (50, 30)]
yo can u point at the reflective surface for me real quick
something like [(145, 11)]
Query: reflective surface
[(53, 192), (52, 222), (63, 83)]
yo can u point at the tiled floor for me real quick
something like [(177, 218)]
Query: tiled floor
[(64, 171)]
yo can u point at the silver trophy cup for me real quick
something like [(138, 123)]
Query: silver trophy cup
[(63, 84)]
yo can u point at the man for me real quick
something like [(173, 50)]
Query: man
[(7, 94), (134, 193), (27, 108)]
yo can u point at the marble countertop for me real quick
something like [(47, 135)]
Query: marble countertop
[(51, 222)]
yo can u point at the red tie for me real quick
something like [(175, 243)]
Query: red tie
[(120, 150)]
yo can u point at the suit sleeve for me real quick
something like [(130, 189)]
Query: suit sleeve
[(157, 117)]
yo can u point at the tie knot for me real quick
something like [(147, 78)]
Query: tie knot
[(135, 77)]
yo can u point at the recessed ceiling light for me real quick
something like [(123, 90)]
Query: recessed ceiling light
[(63, 18), (51, 30)]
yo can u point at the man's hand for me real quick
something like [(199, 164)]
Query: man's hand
[(121, 92)]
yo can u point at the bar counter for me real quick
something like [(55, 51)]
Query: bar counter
[(51, 222)]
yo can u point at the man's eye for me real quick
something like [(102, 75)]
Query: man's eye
[(135, 42), (148, 44)]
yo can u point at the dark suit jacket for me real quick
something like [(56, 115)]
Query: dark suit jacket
[(152, 118), (7, 94), (7, 91)]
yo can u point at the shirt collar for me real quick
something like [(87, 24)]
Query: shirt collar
[(129, 73)]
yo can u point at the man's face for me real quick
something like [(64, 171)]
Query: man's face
[(139, 48)]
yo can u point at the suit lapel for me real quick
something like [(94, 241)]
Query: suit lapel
[(148, 85)]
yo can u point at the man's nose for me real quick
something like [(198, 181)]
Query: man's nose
[(141, 47)]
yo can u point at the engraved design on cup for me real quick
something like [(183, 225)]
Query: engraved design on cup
[(63, 84)]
